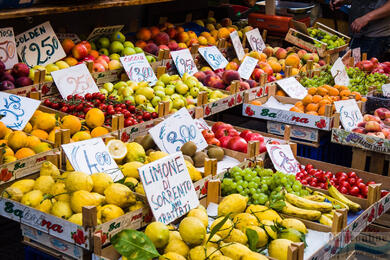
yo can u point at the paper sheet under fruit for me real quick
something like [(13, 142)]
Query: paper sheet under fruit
[(274, 103), (226, 162)]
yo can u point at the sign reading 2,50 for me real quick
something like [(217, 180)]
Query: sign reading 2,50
[(44, 51)]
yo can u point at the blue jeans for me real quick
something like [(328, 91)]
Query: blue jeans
[(373, 46)]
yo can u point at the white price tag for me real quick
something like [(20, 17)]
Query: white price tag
[(103, 31), (91, 156), (16, 110), (292, 87), (39, 46), (356, 54), (201, 124), (74, 37), (74, 80), (283, 158), (213, 57), (168, 188), (386, 90), (8, 53), (339, 73), (255, 40), (247, 66), (350, 114), (237, 45), (138, 68), (184, 62), (176, 130)]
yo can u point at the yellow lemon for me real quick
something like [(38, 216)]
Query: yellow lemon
[(72, 123)]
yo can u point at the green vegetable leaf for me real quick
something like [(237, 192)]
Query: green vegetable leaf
[(303, 238), (253, 238), (277, 205), (134, 245), (217, 227)]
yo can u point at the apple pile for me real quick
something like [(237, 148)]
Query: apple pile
[(222, 79), (373, 66), (377, 125), (16, 77)]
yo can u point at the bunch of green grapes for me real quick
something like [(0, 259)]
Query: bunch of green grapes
[(260, 185), (324, 78), (361, 82), (332, 41)]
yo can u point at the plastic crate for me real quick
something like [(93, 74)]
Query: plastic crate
[(15, 3), (31, 253)]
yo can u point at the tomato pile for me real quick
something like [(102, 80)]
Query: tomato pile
[(78, 105)]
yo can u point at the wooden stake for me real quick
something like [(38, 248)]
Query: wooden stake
[(287, 133), (161, 109), (194, 49), (57, 138), (263, 79), (36, 95), (253, 148), (89, 216), (210, 166), (309, 65), (188, 18), (327, 59), (199, 112), (300, 248), (235, 87), (89, 66), (288, 71), (114, 123), (160, 70), (213, 192), (65, 139), (374, 193), (54, 159), (37, 76), (328, 111), (337, 222), (166, 54), (344, 213), (160, 55), (97, 244), (364, 56), (246, 97), (336, 120), (264, 35), (42, 75), (202, 98)]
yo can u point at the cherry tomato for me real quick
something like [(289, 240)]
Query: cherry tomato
[(352, 175), (343, 190), (359, 180), (384, 193), (304, 182), (370, 182), (308, 167), (346, 185), (352, 181), (354, 191)]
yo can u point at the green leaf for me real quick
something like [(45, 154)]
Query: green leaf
[(253, 238), (134, 245), (278, 205), (217, 227), (303, 238)]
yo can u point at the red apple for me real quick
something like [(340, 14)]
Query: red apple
[(79, 51), (373, 126), (238, 144)]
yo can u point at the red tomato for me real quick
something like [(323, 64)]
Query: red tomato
[(361, 186), (244, 133), (370, 182), (207, 134), (262, 147), (359, 180), (384, 193), (224, 141), (342, 178), (254, 137), (354, 191), (219, 125), (346, 185), (308, 167), (352, 181), (237, 143), (343, 190), (304, 182), (352, 175), (225, 132), (214, 141)]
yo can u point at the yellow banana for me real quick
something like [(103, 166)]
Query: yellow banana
[(325, 220), (336, 203), (354, 207), (301, 213), (318, 198), (329, 215), (308, 204)]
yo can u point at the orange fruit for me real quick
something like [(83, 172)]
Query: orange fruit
[(317, 98), (281, 93), (8, 151), (322, 91), (307, 99), (94, 118), (72, 123), (327, 86), (256, 102), (343, 88), (17, 140), (40, 133), (296, 109), (333, 91), (312, 107), (345, 93), (344, 98), (3, 130), (24, 153), (321, 110), (324, 102), (99, 131), (32, 141), (358, 96), (312, 91), (300, 105), (3, 141)]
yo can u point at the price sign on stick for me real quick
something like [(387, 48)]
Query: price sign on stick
[(247, 66), (237, 45), (39, 46), (339, 73), (292, 87), (184, 62), (168, 187), (386, 90), (350, 114), (8, 47), (91, 156), (16, 111), (103, 31), (213, 57), (74, 80), (176, 130), (283, 158), (255, 40), (138, 68), (356, 54)]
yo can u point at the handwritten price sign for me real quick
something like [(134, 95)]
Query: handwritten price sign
[(16, 111), (356, 54), (184, 62), (213, 57), (292, 87), (247, 66), (103, 31), (283, 158), (168, 188), (255, 40), (74, 80), (386, 90), (8, 47), (350, 114), (39, 46), (237, 45), (176, 130), (91, 156), (138, 68), (339, 73)]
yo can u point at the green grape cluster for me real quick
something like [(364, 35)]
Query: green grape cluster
[(332, 41), (324, 78), (260, 185), (361, 81)]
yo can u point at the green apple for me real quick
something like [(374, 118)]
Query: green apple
[(175, 96), (116, 46), (51, 67), (138, 50), (169, 90), (194, 91), (114, 56), (127, 91), (182, 89), (174, 77), (93, 45), (128, 51), (155, 100), (150, 58), (147, 92), (103, 91), (118, 36), (159, 83), (104, 51), (128, 44), (120, 84), (131, 98), (157, 88), (190, 82), (185, 76), (178, 103), (159, 93), (103, 42), (108, 86), (165, 78), (140, 99)]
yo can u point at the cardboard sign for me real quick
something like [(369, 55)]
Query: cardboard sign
[(339, 73), (39, 46), (201, 124), (168, 187), (184, 62), (283, 158), (103, 31), (386, 90), (247, 66), (213, 57), (350, 114), (356, 54), (292, 87), (74, 80), (91, 156), (138, 68), (16, 111), (301, 27), (237, 45), (176, 130), (74, 37), (255, 40), (8, 47)]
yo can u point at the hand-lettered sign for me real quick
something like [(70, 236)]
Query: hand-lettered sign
[(213, 57), (168, 187), (247, 66), (8, 47), (91, 156), (339, 73), (292, 87), (184, 62), (356, 54), (350, 114), (103, 31), (138, 68), (237, 45), (74, 80), (176, 130), (255, 40), (16, 111), (283, 158), (386, 90), (39, 46)]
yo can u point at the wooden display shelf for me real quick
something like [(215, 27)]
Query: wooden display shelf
[(46, 9)]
